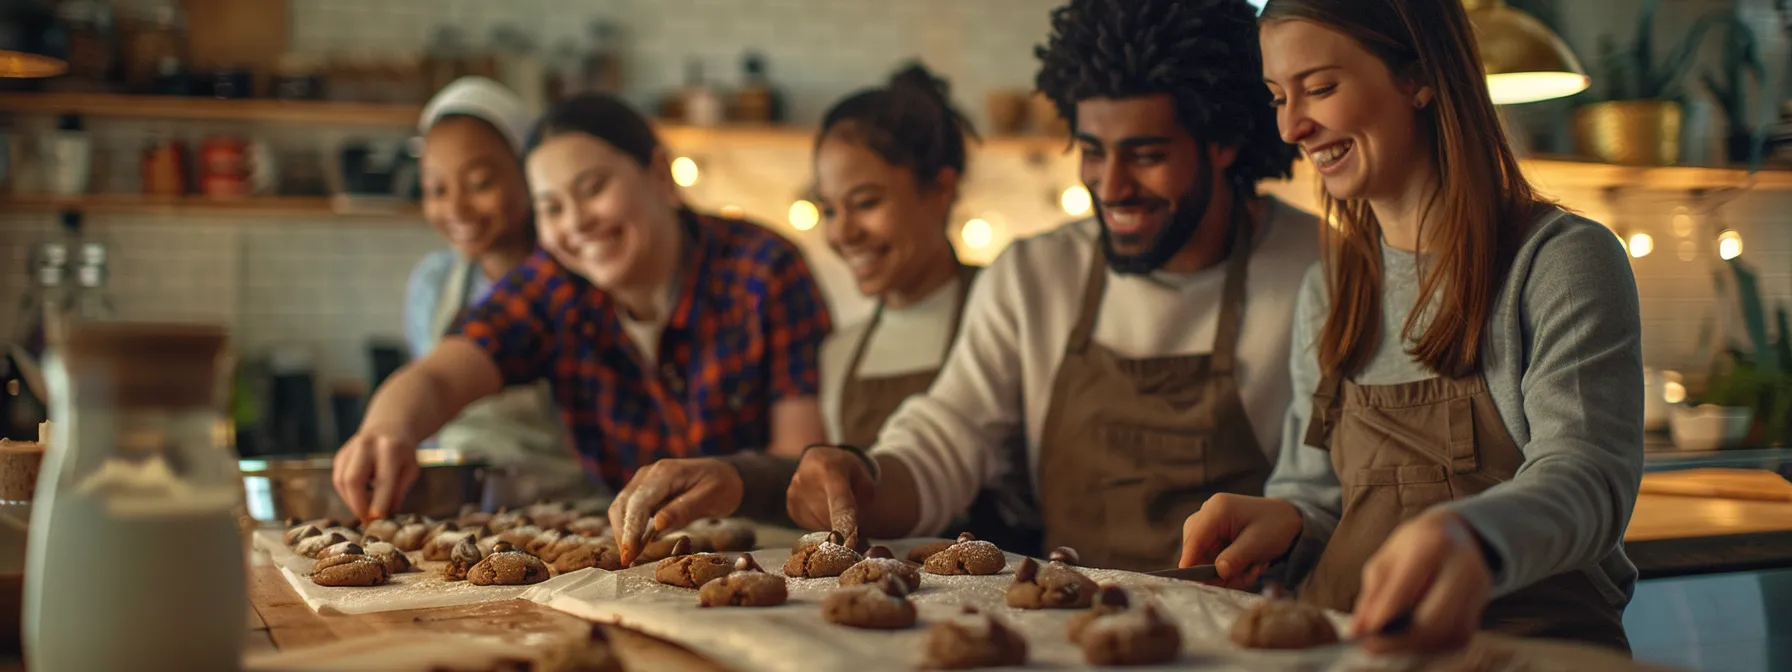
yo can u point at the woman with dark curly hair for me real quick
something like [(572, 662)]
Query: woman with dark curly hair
[(1140, 356)]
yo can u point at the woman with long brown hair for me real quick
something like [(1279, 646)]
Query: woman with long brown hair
[(1473, 445)]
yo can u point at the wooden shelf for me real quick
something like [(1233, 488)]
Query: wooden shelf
[(259, 207), (323, 113), (681, 137)]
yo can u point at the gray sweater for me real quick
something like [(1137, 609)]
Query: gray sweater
[(1563, 361)]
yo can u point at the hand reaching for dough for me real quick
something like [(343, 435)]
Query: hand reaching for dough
[(1434, 567), (1239, 536), (831, 486), (669, 494)]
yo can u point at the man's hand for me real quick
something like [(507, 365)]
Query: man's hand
[(668, 495), (1434, 567), (383, 459), (830, 488)]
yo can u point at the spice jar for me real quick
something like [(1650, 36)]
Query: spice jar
[(224, 167), (139, 537)]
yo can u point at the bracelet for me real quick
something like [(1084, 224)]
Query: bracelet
[(864, 457)]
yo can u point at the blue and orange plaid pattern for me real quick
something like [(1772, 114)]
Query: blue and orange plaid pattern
[(746, 332)]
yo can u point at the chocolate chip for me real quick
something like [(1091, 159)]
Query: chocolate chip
[(1066, 555), (466, 552), (371, 538), (966, 536), (836, 538), (353, 549), (681, 547), (503, 547), (879, 552), (1027, 572), (746, 563), (892, 587), (1111, 595)]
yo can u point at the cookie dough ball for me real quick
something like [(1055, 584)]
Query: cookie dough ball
[(411, 536), (348, 533), (349, 569), (314, 545), (747, 586), (589, 526), (560, 547), (542, 542), (1283, 624), (1054, 586), (662, 548), (829, 558), (505, 520), (396, 561), (600, 555), (723, 535), (920, 554), (879, 562), (441, 546), (973, 640), (338, 549), (518, 537), (813, 539), (687, 570), (880, 606), (471, 516), (300, 531), (507, 566), (384, 528), (466, 553), (1125, 635), (968, 555), (1109, 599)]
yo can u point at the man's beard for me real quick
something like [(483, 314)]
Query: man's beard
[(1186, 217)]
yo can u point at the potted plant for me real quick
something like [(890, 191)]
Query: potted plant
[(1637, 120), (1742, 64), (1756, 379)]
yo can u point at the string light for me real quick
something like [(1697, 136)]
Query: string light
[(1682, 223), (1641, 244), (684, 171), (977, 233), (1076, 201), (1729, 245), (804, 215), (1688, 251)]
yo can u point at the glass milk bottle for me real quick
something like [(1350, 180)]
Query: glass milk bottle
[(136, 558)]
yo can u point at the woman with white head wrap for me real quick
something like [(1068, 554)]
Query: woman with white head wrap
[(475, 195)]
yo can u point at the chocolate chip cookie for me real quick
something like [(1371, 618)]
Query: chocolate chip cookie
[(968, 555), (384, 528), (879, 562), (1283, 624), (973, 640), (347, 532), (723, 535), (687, 570), (396, 561), (505, 520), (311, 546), (602, 555), (1054, 586), (466, 553), (920, 554), (829, 558), (349, 569), (300, 531), (507, 566), (541, 542), (662, 548), (1114, 632), (747, 586), (880, 606), (589, 526), (411, 536), (441, 546), (471, 516)]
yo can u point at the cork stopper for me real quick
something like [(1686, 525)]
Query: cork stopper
[(145, 364)]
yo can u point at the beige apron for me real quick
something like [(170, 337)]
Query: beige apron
[(519, 426), (1401, 449), (1132, 447), (865, 403)]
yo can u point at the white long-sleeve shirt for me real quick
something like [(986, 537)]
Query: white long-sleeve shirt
[(997, 380)]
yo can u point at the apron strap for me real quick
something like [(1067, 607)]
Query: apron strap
[(858, 351), (453, 297), (1326, 403), (1091, 308), (1231, 320), (965, 275)]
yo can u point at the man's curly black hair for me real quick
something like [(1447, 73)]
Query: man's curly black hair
[(1203, 53)]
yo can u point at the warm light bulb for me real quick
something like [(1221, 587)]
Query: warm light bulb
[(1688, 251), (977, 233), (684, 171), (1673, 392), (1075, 201), (1682, 224), (1641, 244), (804, 216), (1729, 245), (733, 212)]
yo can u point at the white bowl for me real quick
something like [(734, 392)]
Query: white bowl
[(1710, 427)]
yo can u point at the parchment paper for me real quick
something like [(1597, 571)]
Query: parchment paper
[(409, 590), (794, 638)]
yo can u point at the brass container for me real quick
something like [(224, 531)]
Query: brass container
[(1629, 132)]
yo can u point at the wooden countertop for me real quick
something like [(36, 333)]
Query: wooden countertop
[(1681, 536)]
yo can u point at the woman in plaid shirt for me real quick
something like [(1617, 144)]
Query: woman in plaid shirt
[(663, 332)]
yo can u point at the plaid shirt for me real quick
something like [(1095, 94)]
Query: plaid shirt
[(746, 332)]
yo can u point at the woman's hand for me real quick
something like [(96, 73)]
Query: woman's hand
[(1434, 567), (1240, 536), (670, 494), (831, 486), (383, 459)]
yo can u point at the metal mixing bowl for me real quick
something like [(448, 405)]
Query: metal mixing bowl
[(299, 487)]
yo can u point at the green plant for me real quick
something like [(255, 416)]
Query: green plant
[(1633, 73), (1757, 376), (1741, 65)]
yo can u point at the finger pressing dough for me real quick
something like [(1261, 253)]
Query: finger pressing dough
[(507, 566), (973, 640), (968, 555), (1283, 624), (1054, 586), (880, 606), (829, 558), (879, 563), (747, 586)]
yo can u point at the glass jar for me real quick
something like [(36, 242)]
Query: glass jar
[(138, 548)]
